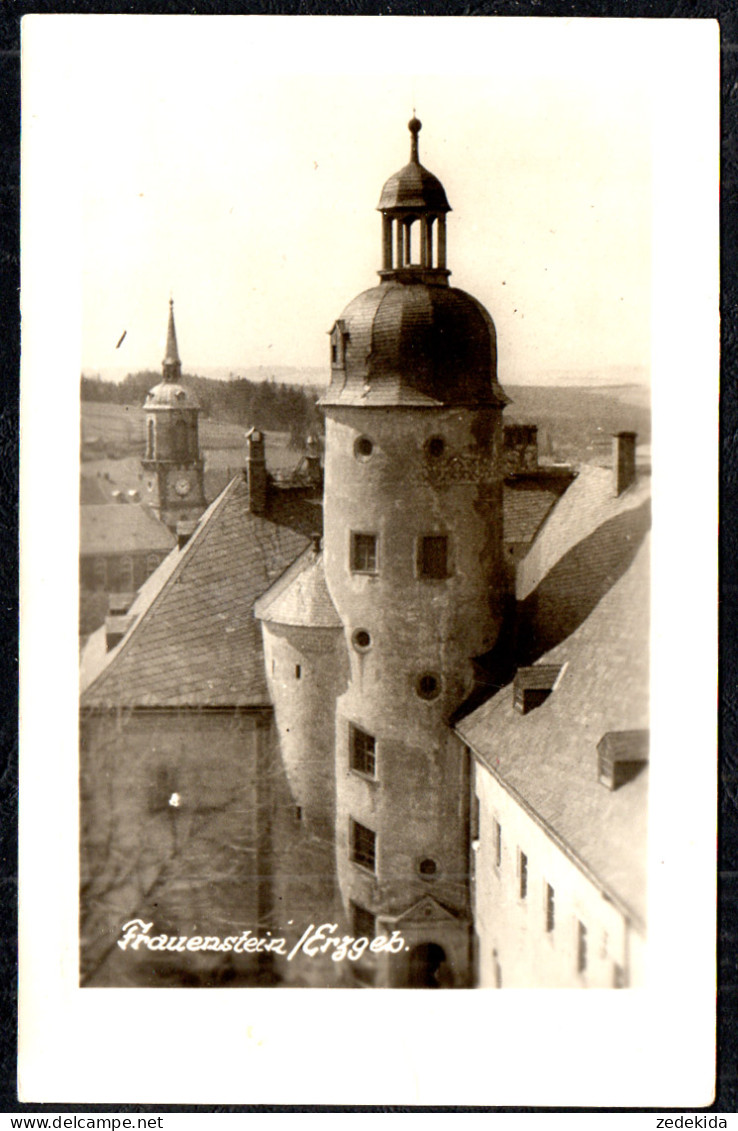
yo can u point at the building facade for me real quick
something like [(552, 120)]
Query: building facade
[(415, 645)]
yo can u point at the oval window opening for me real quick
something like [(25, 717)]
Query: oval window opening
[(435, 447), (363, 447), (427, 867), (361, 640), (428, 686)]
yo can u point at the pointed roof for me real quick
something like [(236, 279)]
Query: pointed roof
[(171, 356), (194, 641), (300, 596)]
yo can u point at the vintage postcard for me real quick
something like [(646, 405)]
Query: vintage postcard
[(369, 489)]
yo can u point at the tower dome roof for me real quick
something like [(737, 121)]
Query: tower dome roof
[(415, 344), (168, 395), (413, 188)]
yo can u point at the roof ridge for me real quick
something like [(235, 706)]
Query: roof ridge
[(196, 540)]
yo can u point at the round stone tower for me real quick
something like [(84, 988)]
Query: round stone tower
[(172, 442), (413, 564)]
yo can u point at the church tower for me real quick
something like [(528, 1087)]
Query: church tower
[(413, 564), (172, 442)]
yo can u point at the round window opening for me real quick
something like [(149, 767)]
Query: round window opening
[(362, 640), (427, 867), (363, 447), (435, 447), (428, 686)]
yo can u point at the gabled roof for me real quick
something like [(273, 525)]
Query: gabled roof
[(547, 758), (589, 504), (195, 641), (300, 596), (121, 528)]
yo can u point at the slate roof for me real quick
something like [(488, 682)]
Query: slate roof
[(526, 502), (416, 344), (195, 641), (588, 505), (547, 758), (121, 528), (300, 596)]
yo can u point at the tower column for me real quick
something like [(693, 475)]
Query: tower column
[(442, 241), (386, 243)]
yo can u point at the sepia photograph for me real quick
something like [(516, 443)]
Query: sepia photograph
[(363, 388)]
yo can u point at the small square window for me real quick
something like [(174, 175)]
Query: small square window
[(363, 923), (433, 556), (364, 553), (363, 846), (497, 842), (362, 751)]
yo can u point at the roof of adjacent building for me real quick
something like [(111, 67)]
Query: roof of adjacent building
[(592, 556), (547, 758), (527, 500), (590, 504), (300, 596), (121, 528), (194, 640)]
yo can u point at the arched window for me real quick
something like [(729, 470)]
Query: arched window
[(125, 574), (150, 439), (100, 573)]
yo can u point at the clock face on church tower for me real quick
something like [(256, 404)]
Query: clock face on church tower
[(182, 485)]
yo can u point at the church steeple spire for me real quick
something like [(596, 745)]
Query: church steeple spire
[(171, 365)]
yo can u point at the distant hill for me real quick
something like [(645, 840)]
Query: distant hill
[(574, 423), (311, 375)]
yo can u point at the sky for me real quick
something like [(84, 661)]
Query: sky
[(236, 164)]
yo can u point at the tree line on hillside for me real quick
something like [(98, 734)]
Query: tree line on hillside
[(261, 404)]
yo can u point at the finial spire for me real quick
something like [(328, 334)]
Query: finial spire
[(415, 126), (171, 365)]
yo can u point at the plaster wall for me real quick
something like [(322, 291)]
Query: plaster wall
[(306, 672), (514, 947), (416, 801)]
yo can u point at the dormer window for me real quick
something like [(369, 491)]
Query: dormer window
[(533, 686), (621, 755), (339, 338)]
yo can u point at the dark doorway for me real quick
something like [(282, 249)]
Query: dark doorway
[(429, 968)]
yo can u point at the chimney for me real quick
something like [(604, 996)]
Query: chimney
[(624, 460), (117, 622), (256, 472), (621, 754), (185, 529), (312, 460), (520, 446)]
